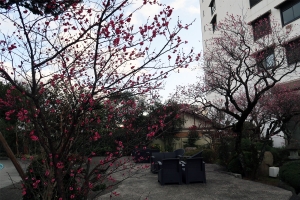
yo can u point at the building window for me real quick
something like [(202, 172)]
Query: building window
[(265, 59), (290, 11), (261, 27), (212, 6), (214, 23), (254, 2), (293, 52)]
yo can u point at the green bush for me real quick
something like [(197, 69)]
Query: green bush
[(169, 148), (225, 149), (209, 155), (280, 155), (268, 146), (35, 171), (156, 146), (193, 136), (192, 152), (227, 155), (246, 144), (290, 174), (203, 146), (235, 166), (36, 175)]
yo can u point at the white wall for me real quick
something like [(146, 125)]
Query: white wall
[(242, 7), (190, 120)]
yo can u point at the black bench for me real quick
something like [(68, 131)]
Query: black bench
[(159, 157)]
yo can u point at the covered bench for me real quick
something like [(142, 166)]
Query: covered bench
[(193, 170), (159, 157)]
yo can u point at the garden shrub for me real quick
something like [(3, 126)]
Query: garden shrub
[(234, 166), (34, 172), (268, 146), (225, 149), (156, 146), (193, 136), (35, 183), (227, 155), (246, 144), (280, 155), (209, 155), (192, 152), (289, 173), (250, 159), (250, 146)]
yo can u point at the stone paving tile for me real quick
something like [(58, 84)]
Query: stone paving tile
[(144, 185), (218, 186)]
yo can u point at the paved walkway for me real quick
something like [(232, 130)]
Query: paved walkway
[(9, 174), (143, 185), (219, 185)]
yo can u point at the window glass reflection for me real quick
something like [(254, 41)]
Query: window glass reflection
[(288, 15), (296, 9)]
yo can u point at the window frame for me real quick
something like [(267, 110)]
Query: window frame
[(256, 26), (212, 6), (284, 7), (252, 4), (214, 23), (289, 49), (263, 61)]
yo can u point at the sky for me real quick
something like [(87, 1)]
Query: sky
[(187, 11)]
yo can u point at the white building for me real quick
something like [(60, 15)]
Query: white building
[(287, 12), (203, 126)]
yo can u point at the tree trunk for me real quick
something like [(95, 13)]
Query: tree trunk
[(240, 155), (260, 159), (59, 177)]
